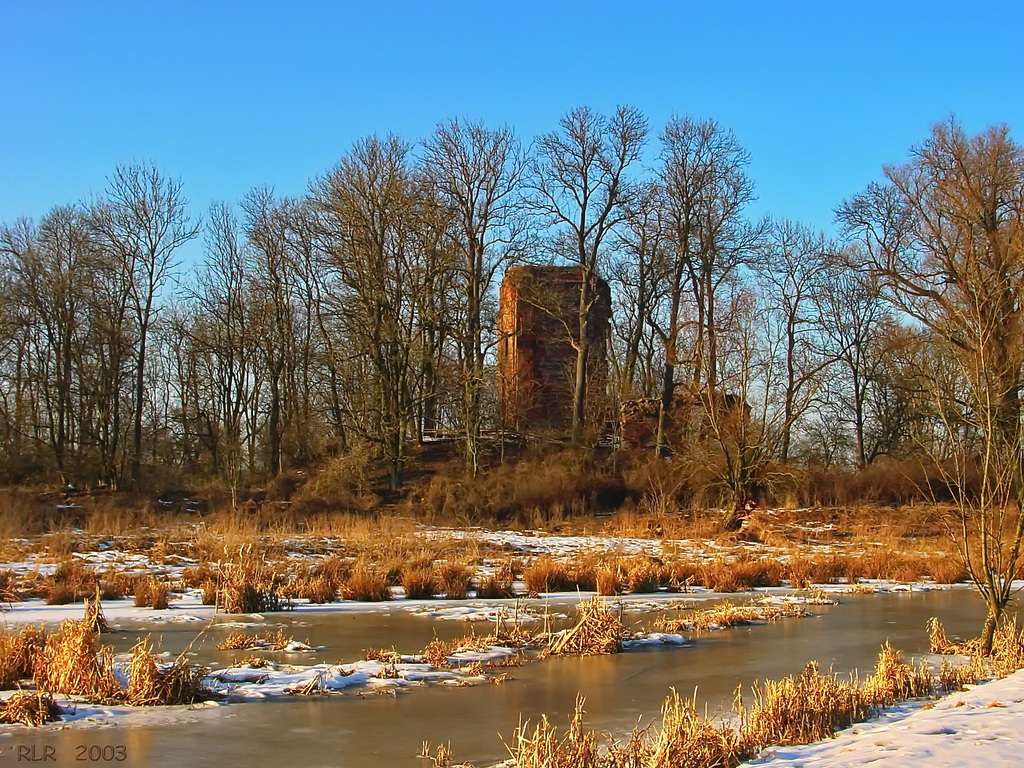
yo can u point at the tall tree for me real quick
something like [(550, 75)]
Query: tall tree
[(945, 237), (369, 205), (579, 188), (476, 172), (638, 272), (704, 189), (794, 270), (143, 220)]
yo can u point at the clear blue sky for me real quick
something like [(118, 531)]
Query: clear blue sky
[(230, 95)]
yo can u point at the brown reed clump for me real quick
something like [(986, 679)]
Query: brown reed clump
[(545, 574), (726, 615), (18, 653), (954, 677), (800, 572), (418, 582), (945, 570), (494, 587), (209, 592), (687, 739), (94, 617), (249, 586), (386, 657), (802, 709), (597, 631), (151, 593), (239, 641), (542, 748), (1007, 650), (940, 644), (8, 592), (643, 575), (366, 584), (437, 652), (29, 708), (581, 573), (895, 681), (70, 582), (71, 663), (151, 685), (318, 590), (610, 579), (454, 580)]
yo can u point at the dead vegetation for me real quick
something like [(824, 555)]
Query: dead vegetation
[(71, 662), (794, 710), (248, 585), (727, 615), (29, 708), (597, 631), (240, 641), (150, 684)]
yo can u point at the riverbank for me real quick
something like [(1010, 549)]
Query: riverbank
[(976, 727)]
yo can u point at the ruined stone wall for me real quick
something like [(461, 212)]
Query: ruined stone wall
[(539, 309)]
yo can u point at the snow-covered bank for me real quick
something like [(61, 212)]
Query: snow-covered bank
[(978, 727)]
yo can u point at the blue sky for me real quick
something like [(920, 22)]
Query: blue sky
[(231, 95)]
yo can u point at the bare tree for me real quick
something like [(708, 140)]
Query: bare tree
[(143, 219), (476, 173), (794, 269), (638, 272), (579, 187), (369, 205), (704, 191), (945, 236), (49, 268), (854, 323)]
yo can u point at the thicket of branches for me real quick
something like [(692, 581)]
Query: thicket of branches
[(364, 311)]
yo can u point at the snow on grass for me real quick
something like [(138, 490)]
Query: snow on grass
[(978, 727)]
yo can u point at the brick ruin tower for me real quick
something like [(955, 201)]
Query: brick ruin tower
[(539, 307)]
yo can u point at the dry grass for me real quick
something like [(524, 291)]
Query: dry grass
[(597, 631), (418, 582), (248, 585), (18, 652), (545, 574), (437, 651), (94, 618), (1007, 648), (366, 584), (153, 593), (643, 575), (802, 709), (727, 615), (29, 708), (499, 584), (317, 590), (795, 710), (239, 641), (454, 580), (542, 748), (895, 681), (384, 656), (151, 685), (71, 663), (688, 739)]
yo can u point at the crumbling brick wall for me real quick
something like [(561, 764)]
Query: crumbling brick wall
[(539, 309)]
